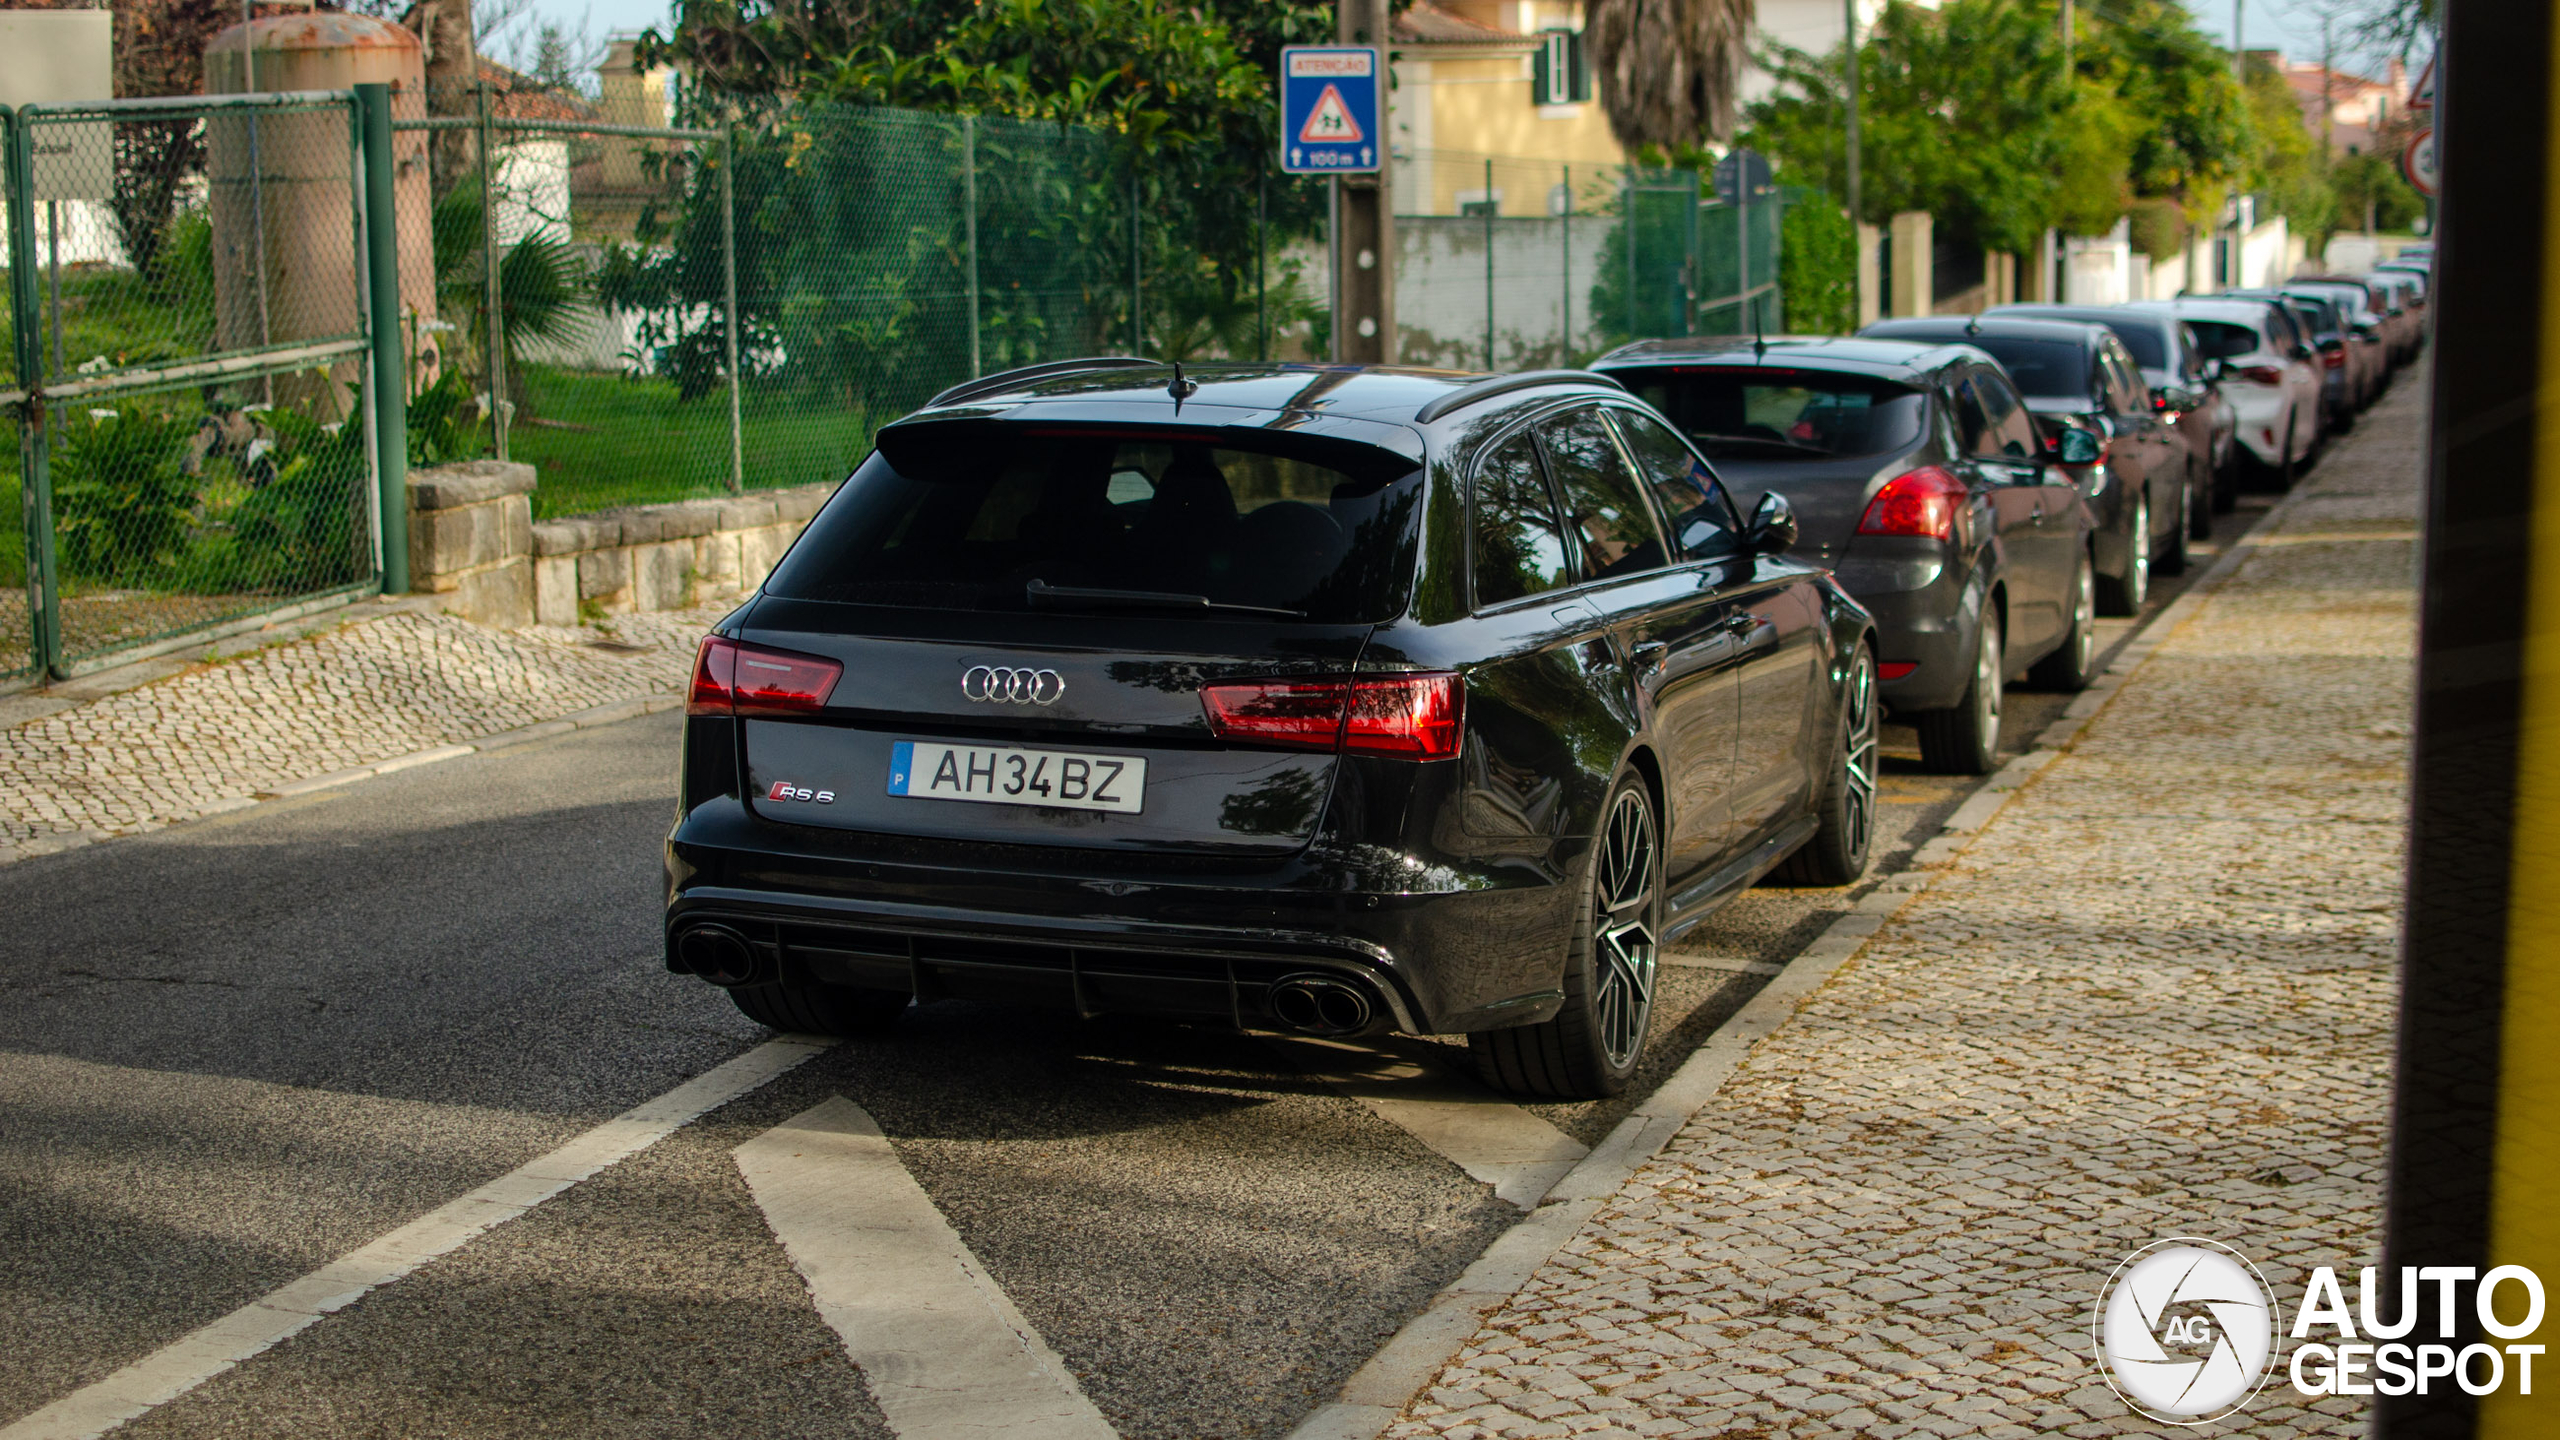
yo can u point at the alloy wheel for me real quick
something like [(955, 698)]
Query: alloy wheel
[(2084, 619), (1858, 755), (1622, 939), (2137, 571)]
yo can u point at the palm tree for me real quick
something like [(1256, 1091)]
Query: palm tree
[(1668, 69)]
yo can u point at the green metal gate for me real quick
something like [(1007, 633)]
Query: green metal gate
[(190, 346)]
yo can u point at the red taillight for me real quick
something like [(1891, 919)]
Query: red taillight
[(1895, 669), (734, 679), (2333, 359), (1405, 717), (1919, 502), (2263, 374)]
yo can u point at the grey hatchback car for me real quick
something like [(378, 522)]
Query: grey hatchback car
[(1917, 474)]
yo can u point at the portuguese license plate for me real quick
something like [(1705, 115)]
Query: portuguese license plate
[(1003, 775)]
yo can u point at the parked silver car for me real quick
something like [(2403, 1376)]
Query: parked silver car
[(2268, 372)]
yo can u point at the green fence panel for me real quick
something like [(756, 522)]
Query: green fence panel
[(198, 350)]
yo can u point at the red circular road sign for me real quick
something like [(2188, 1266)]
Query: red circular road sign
[(2418, 162)]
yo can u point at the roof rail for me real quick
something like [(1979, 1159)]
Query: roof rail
[(1006, 379), (1486, 389)]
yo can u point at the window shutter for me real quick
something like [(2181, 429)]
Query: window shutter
[(1542, 81), (1578, 68)]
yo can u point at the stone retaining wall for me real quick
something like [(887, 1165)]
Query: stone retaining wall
[(472, 540)]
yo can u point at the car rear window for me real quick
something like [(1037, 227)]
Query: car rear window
[(1761, 414), (2044, 369), (967, 517), (2222, 339), (2150, 349)]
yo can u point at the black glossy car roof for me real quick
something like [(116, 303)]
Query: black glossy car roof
[(1885, 359), (2080, 314), (1388, 394)]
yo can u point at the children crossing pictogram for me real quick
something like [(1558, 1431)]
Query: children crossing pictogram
[(1330, 123)]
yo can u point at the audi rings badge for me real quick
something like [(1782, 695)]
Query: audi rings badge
[(1008, 685)]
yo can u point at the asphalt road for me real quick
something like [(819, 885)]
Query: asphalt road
[(234, 1051)]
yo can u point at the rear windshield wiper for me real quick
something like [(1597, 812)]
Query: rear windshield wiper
[(1042, 593)]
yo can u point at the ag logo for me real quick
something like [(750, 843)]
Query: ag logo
[(2184, 1331)]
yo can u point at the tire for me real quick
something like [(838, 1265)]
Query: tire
[(2200, 508), (1846, 807), (820, 1009), (2173, 561), (1591, 1049), (2287, 471), (1965, 739), (2075, 663), (2124, 594), (2226, 481)]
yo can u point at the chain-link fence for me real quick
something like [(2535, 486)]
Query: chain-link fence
[(1504, 263), (188, 342)]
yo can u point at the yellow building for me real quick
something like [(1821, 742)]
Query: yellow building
[(1505, 81)]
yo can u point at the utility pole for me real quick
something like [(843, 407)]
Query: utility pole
[(2239, 54), (2066, 42), (2328, 56), (1849, 29), (1364, 230)]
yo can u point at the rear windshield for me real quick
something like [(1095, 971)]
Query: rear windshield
[(2044, 369), (2221, 340), (1782, 414), (1001, 517), (2150, 349)]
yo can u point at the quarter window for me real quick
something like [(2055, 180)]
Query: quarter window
[(2009, 434), (1604, 507), (1685, 491), (1518, 544)]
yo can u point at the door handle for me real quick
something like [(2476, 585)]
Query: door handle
[(1742, 624), (1648, 654)]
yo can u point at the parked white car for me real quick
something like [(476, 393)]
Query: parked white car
[(2270, 377)]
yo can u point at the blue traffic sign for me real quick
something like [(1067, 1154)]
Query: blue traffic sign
[(1329, 109)]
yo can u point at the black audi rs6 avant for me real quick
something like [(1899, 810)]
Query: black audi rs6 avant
[(1325, 699)]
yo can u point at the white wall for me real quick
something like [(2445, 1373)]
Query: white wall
[(2269, 254), (2098, 269), (1440, 287)]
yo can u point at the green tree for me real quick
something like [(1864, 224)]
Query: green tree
[(1967, 113), (2283, 162)]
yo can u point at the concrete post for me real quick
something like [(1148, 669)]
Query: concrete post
[(1870, 275), (1364, 255), (1912, 276)]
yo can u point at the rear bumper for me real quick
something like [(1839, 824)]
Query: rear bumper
[(1454, 951), (1925, 618)]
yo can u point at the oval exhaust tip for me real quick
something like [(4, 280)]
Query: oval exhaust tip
[(717, 954), (1322, 1005)]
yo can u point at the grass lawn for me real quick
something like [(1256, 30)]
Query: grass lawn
[(635, 443)]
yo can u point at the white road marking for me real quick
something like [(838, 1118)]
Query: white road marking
[(181, 1366), (945, 1353), (1519, 1154)]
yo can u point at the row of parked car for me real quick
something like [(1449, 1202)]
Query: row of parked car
[(1986, 485), (1347, 699)]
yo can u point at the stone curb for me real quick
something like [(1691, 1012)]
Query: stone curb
[(586, 719), (1379, 1390)]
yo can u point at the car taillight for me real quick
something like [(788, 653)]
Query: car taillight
[(2334, 359), (1403, 717), (1917, 502), (734, 679), (2263, 374)]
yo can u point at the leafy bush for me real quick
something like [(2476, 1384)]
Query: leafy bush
[(1818, 266), (299, 531), (441, 427), (122, 504)]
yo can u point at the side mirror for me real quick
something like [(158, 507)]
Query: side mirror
[(2215, 369), (2300, 352), (2078, 447), (1773, 525)]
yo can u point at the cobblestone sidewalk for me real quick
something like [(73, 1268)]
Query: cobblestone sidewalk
[(214, 737), (2153, 997)]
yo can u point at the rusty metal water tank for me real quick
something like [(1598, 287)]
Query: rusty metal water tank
[(284, 223)]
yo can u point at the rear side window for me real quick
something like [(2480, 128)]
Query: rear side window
[(1604, 507), (2144, 340), (1691, 500), (1769, 414), (2008, 433), (1518, 545), (965, 517)]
